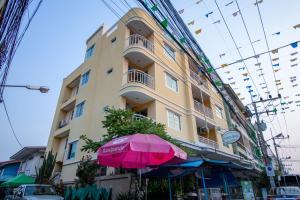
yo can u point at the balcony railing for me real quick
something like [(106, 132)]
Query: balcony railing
[(63, 123), (139, 40), (208, 142), (203, 109), (139, 117), (138, 76), (198, 79)]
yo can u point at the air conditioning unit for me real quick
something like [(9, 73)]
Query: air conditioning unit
[(202, 130)]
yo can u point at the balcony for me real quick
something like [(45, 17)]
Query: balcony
[(139, 50), (141, 41), (203, 109), (63, 123), (138, 87), (138, 76), (208, 142), (198, 79)]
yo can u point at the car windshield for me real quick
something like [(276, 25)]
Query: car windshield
[(39, 190)]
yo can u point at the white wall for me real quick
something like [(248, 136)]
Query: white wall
[(28, 166)]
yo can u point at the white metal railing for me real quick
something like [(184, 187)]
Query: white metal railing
[(198, 79), (203, 109), (139, 117), (64, 123), (139, 40), (138, 76), (209, 142)]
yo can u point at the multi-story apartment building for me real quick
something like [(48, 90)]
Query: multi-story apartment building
[(134, 64)]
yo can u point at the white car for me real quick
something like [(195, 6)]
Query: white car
[(287, 192), (34, 192)]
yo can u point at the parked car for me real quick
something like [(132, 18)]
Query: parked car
[(34, 192), (288, 192)]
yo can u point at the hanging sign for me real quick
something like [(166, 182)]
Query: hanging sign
[(230, 137)]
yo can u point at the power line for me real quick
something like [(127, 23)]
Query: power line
[(251, 43), (10, 124), (236, 46), (267, 43)]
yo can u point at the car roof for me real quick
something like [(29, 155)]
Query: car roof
[(35, 185)]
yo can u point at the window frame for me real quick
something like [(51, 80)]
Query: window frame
[(88, 54), (219, 112), (168, 53), (71, 144), (85, 78), (82, 109), (175, 79), (169, 112)]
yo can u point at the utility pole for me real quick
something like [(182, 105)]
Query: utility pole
[(276, 152), (261, 140)]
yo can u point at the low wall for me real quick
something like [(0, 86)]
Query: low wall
[(118, 183)]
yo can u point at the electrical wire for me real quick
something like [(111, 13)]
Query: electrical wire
[(11, 125), (239, 52)]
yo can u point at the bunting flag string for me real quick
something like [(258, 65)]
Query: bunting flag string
[(207, 14), (277, 33), (227, 4), (198, 31), (235, 13), (258, 2)]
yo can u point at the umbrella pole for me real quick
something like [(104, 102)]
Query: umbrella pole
[(140, 170), (170, 189), (204, 186)]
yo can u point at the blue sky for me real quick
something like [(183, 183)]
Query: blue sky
[(54, 45)]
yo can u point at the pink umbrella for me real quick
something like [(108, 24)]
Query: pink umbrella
[(138, 151)]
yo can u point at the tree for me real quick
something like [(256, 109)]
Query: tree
[(44, 173), (86, 171), (119, 122)]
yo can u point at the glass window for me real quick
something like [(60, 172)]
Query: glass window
[(169, 51), (89, 52), (72, 149), (79, 109), (85, 78), (171, 82), (174, 120), (219, 112)]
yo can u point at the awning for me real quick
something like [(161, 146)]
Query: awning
[(18, 180), (191, 165)]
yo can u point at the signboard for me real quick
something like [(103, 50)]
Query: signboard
[(230, 137), (247, 190), (270, 170)]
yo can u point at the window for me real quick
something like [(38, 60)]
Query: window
[(171, 83), (219, 112), (89, 52), (72, 150), (174, 121), (169, 51), (85, 78), (79, 109)]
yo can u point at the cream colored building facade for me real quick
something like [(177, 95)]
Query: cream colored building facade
[(135, 65)]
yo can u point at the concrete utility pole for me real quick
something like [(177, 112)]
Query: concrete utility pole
[(276, 151), (260, 136)]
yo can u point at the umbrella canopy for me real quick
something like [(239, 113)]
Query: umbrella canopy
[(18, 180), (138, 151)]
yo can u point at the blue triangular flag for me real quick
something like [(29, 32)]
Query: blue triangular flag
[(276, 65), (206, 15), (294, 44)]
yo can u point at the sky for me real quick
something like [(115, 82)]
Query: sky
[(54, 46)]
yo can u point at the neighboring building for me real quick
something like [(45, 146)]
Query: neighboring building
[(247, 146), (9, 169), (32, 159), (136, 65)]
